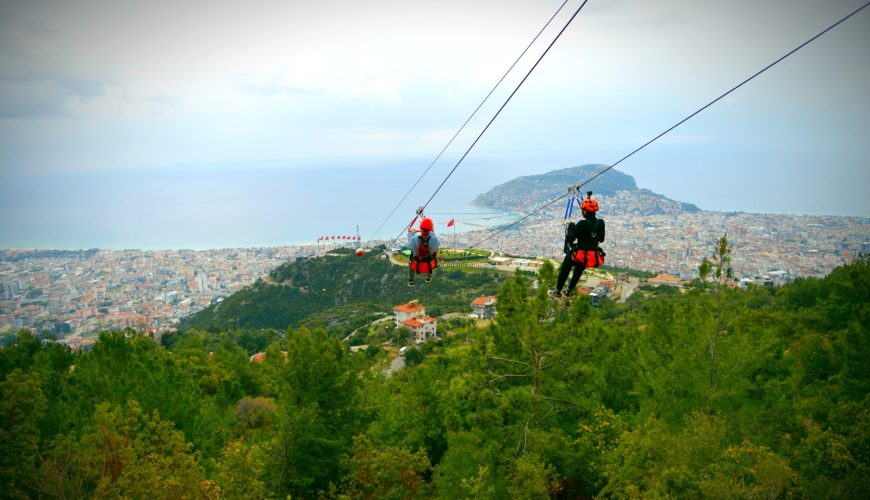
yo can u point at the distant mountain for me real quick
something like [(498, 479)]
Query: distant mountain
[(618, 188)]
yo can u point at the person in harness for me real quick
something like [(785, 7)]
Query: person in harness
[(581, 247), (424, 250)]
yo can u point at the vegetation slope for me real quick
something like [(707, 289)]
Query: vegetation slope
[(746, 393), (341, 292)]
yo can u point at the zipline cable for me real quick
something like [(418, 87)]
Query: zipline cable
[(473, 113), (714, 101), (495, 116)]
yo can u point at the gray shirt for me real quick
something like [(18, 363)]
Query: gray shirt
[(414, 242)]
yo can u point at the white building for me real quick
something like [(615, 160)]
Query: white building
[(484, 307), (408, 311), (413, 317), (422, 328)]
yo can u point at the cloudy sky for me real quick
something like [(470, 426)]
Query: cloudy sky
[(101, 86)]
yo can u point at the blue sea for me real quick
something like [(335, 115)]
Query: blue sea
[(226, 205)]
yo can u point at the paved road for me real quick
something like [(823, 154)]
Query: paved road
[(379, 320), (397, 364), (628, 288)]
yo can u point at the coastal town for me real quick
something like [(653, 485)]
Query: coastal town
[(789, 246), (77, 292), (73, 293)]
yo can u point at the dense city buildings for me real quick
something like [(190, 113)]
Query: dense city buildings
[(781, 246), (82, 292), (76, 293)]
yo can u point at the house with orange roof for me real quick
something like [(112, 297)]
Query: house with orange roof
[(666, 279), (408, 311), (261, 356), (413, 317), (422, 328), (484, 307)]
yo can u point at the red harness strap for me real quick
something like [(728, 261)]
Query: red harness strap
[(590, 258), (424, 262)]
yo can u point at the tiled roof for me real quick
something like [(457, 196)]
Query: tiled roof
[(482, 301), (418, 321), (409, 308), (666, 277)]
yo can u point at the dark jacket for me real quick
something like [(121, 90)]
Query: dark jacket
[(586, 234)]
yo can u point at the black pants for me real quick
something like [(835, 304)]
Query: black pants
[(567, 265)]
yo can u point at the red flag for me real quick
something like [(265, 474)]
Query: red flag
[(450, 224)]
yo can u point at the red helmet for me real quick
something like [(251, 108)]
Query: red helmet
[(426, 224), (589, 205)]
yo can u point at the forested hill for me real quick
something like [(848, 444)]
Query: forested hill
[(534, 190), (341, 292), (706, 393)]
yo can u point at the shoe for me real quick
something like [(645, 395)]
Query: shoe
[(569, 294), (556, 294), (410, 284), (428, 277)]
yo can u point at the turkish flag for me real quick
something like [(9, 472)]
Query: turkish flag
[(450, 224)]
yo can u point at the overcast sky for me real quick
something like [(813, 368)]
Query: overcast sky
[(108, 85)]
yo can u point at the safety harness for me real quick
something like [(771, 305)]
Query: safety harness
[(589, 257)]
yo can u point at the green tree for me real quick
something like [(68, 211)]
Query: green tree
[(465, 471), (413, 357), (531, 478), (120, 369), (317, 413), (21, 408), (254, 413), (240, 474), (127, 453), (390, 473), (749, 471)]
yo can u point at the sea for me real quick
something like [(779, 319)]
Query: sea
[(275, 203)]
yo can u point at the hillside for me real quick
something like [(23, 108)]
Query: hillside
[(533, 190), (341, 292), (707, 393)]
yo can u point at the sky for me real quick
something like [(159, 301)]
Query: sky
[(111, 87)]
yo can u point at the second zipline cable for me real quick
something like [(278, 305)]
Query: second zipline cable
[(496, 114), (473, 113), (714, 101)]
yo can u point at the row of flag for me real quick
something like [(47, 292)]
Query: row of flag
[(348, 238), (357, 238)]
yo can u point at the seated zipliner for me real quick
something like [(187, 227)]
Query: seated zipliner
[(581, 247), (424, 246)]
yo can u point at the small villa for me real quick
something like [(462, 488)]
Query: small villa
[(484, 307), (413, 317)]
